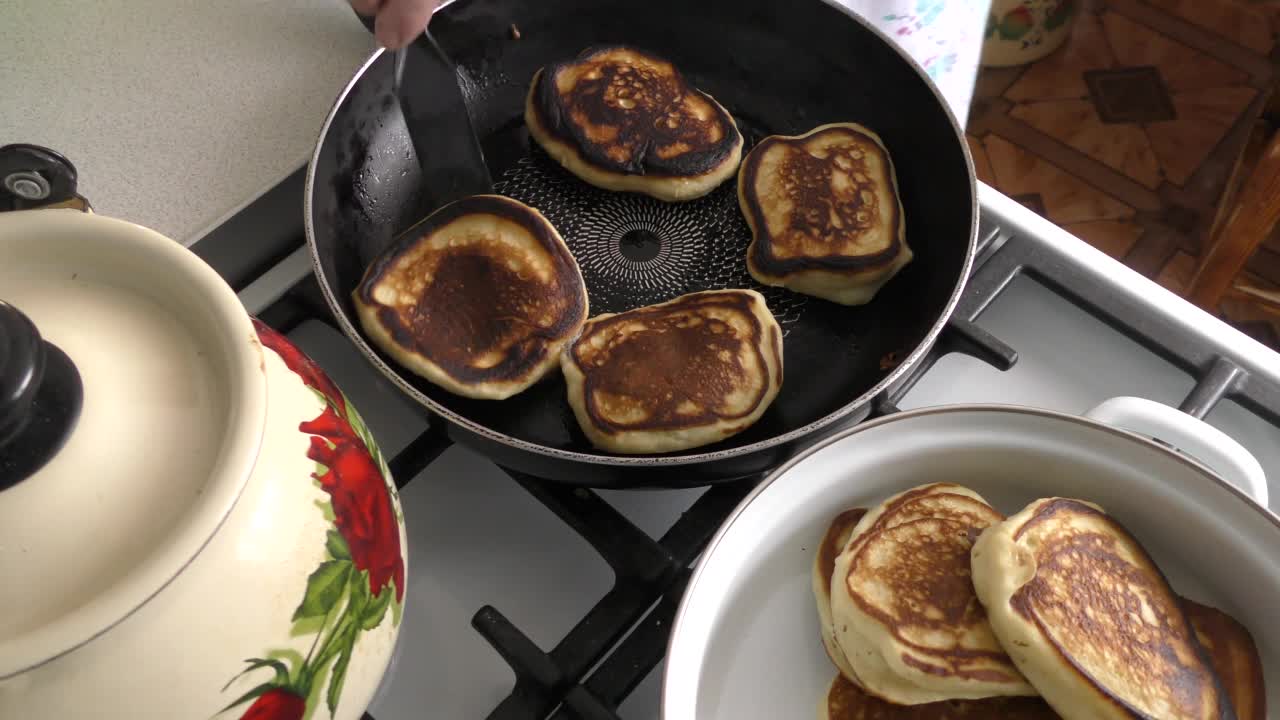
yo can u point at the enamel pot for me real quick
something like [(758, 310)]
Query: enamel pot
[(194, 521), (746, 641)]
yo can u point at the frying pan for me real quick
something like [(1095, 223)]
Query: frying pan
[(779, 68)]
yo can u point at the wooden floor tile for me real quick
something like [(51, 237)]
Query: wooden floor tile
[(1124, 148), (1182, 67), (1232, 21), (1152, 252), (1113, 237), (1204, 118), (1177, 272), (1060, 76), (1126, 136), (1064, 197)]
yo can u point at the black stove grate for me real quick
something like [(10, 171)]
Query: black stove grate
[(615, 646)]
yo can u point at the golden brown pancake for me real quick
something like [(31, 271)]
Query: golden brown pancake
[(676, 375), (1231, 649), (846, 701), (1089, 619), (624, 120), (903, 608), (1234, 657), (824, 213), (832, 544), (945, 501), (840, 535), (479, 298)]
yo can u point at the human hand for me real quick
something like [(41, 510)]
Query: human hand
[(396, 22)]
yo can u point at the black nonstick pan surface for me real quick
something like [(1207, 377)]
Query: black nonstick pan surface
[(779, 68)]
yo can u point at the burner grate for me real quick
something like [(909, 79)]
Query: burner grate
[(624, 636)]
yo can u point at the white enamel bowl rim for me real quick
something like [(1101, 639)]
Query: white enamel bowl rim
[(678, 697)]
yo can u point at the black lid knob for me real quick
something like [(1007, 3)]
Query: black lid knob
[(40, 397)]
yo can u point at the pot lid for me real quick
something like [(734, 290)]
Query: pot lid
[(132, 404)]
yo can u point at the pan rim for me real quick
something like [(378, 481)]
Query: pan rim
[(440, 412)]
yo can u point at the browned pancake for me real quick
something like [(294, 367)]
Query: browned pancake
[(625, 120), (1096, 627), (911, 580), (846, 701), (824, 213), (904, 612), (676, 375), (479, 298), (1234, 657), (942, 501), (824, 563), (1231, 649)]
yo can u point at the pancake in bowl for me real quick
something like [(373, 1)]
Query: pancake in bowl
[(1090, 620), (479, 298), (677, 375), (1231, 649), (824, 213), (903, 608), (846, 701), (625, 120), (832, 544), (1234, 657)]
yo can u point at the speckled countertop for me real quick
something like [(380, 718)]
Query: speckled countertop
[(176, 113)]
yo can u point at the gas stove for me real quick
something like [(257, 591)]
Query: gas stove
[(529, 599)]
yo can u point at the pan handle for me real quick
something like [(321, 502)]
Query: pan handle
[(34, 177), (1207, 444)]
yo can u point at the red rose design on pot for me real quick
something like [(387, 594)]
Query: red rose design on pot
[(346, 594), (278, 704), (361, 504), (299, 363)]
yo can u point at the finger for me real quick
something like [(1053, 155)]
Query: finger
[(400, 21), (366, 7)]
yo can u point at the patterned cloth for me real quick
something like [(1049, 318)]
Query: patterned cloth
[(944, 36)]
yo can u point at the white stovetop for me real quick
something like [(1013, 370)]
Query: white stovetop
[(478, 539)]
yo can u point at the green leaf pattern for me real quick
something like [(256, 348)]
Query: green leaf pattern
[(336, 604), (324, 589)]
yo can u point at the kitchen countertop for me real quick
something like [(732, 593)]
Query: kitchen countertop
[(176, 113)]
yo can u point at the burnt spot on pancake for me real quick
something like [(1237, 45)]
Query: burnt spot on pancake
[(846, 701), (682, 364), (629, 112), (1104, 605), (826, 200), (484, 288)]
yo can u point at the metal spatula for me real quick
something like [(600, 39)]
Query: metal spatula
[(439, 124)]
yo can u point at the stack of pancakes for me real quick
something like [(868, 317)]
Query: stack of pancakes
[(933, 605)]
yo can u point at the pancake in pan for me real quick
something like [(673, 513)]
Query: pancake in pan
[(624, 120), (824, 213), (1089, 618), (903, 607), (479, 298), (676, 375)]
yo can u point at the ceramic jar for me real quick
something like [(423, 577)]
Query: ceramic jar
[(194, 520), (1023, 31)]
